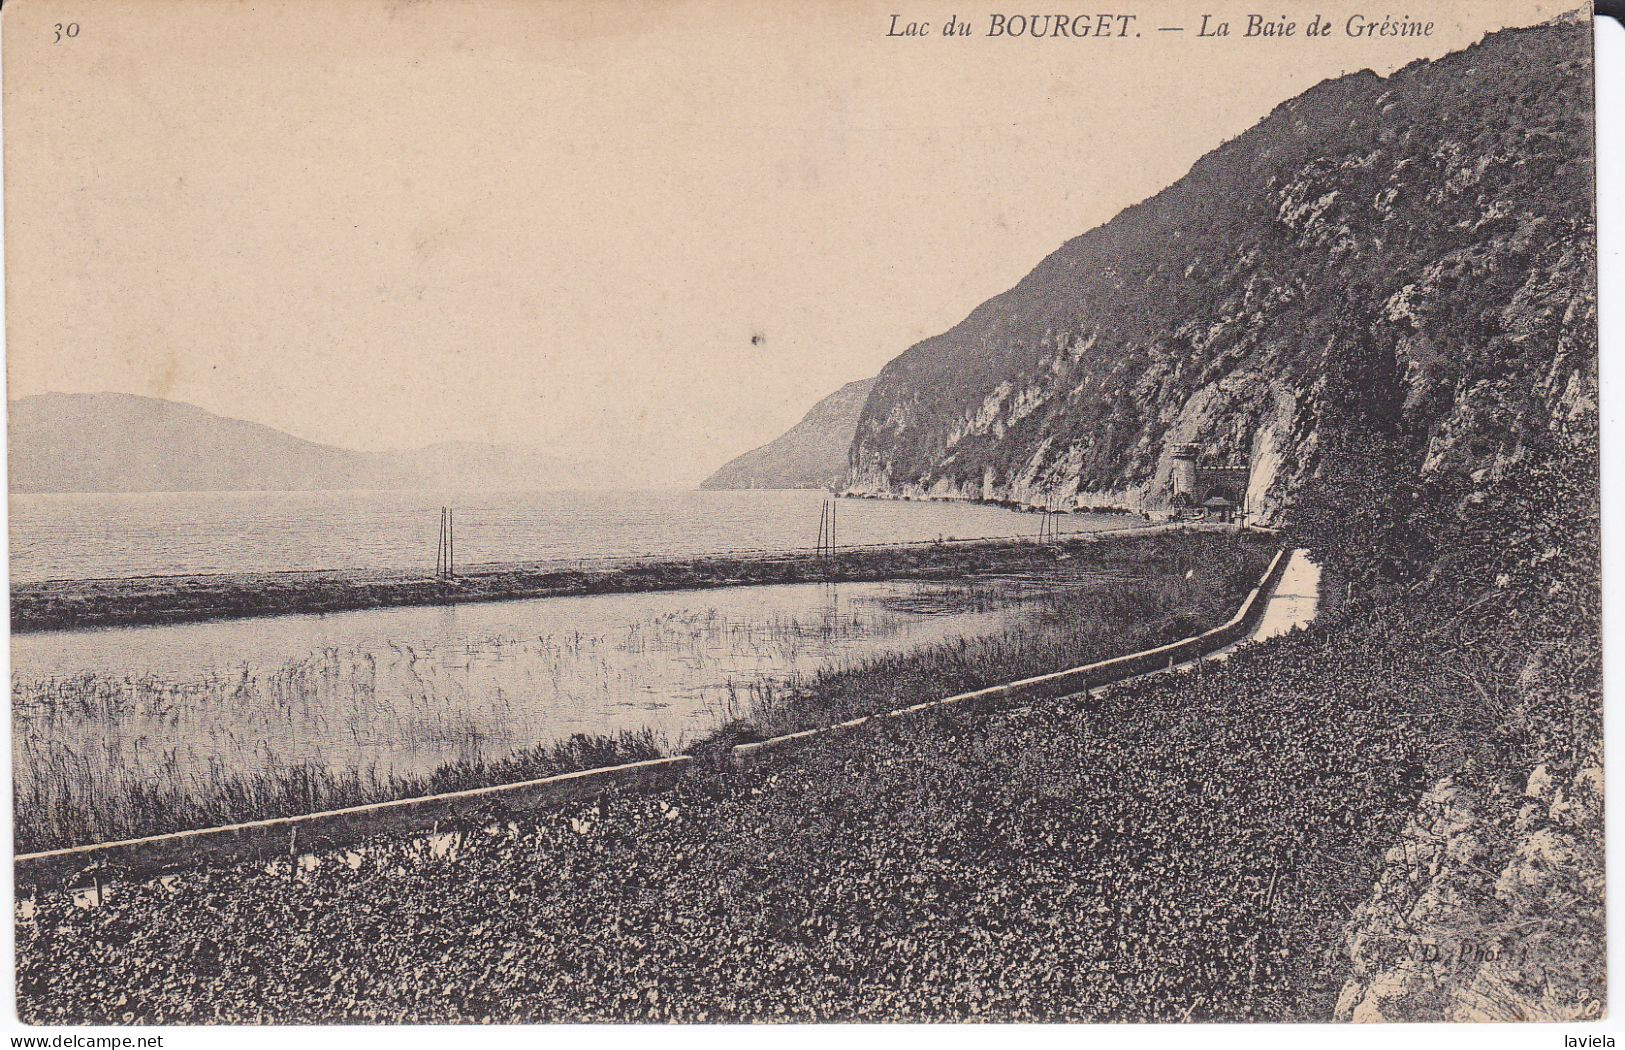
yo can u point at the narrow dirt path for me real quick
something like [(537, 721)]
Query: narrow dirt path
[(1295, 599), (1293, 603)]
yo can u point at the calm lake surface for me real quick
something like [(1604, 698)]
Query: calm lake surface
[(99, 716), (100, 535), (405, 690)]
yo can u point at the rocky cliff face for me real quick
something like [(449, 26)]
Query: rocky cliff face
[(810, 455), (1490, 904), (1453, 199)]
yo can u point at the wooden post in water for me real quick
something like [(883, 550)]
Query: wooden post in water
[(826, 530), (1046, 525), (445, 552), (440, 547)]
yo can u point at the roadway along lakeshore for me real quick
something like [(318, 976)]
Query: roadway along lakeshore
[(149, 600)]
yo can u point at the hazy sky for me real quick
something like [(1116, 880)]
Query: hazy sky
[(381, 224)]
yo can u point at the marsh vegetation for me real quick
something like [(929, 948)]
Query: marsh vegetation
[(191, 726)]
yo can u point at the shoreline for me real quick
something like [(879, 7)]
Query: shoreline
[(148, 601), (1004, 503)]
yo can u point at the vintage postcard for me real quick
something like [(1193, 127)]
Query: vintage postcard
[(705, 511)]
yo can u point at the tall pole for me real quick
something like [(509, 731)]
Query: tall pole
[(445, 551)]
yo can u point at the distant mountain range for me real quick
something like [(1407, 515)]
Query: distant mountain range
[(810, 455), (126, 443)]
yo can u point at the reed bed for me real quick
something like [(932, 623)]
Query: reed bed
[(61, 811), (1060, 627), (99, 757)]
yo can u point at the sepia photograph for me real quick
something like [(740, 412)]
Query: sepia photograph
[(719, 512)]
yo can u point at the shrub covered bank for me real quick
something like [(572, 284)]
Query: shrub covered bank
[(1185, 847), (1489, 906)]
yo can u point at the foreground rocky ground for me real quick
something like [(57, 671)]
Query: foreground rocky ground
[(1489, 905)]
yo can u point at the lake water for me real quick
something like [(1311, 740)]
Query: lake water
[(99, 713), (91, 536), (100, 716)]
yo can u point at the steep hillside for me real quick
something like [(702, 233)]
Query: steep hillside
[(810, 455), (1443, 212), (125, 443), (1383, 297)]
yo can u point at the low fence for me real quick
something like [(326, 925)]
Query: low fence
[(260, 840), (1072, 680)]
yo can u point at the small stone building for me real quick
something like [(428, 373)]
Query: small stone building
[(1200, 488)]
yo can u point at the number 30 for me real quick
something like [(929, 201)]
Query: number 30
[(70, 31)]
